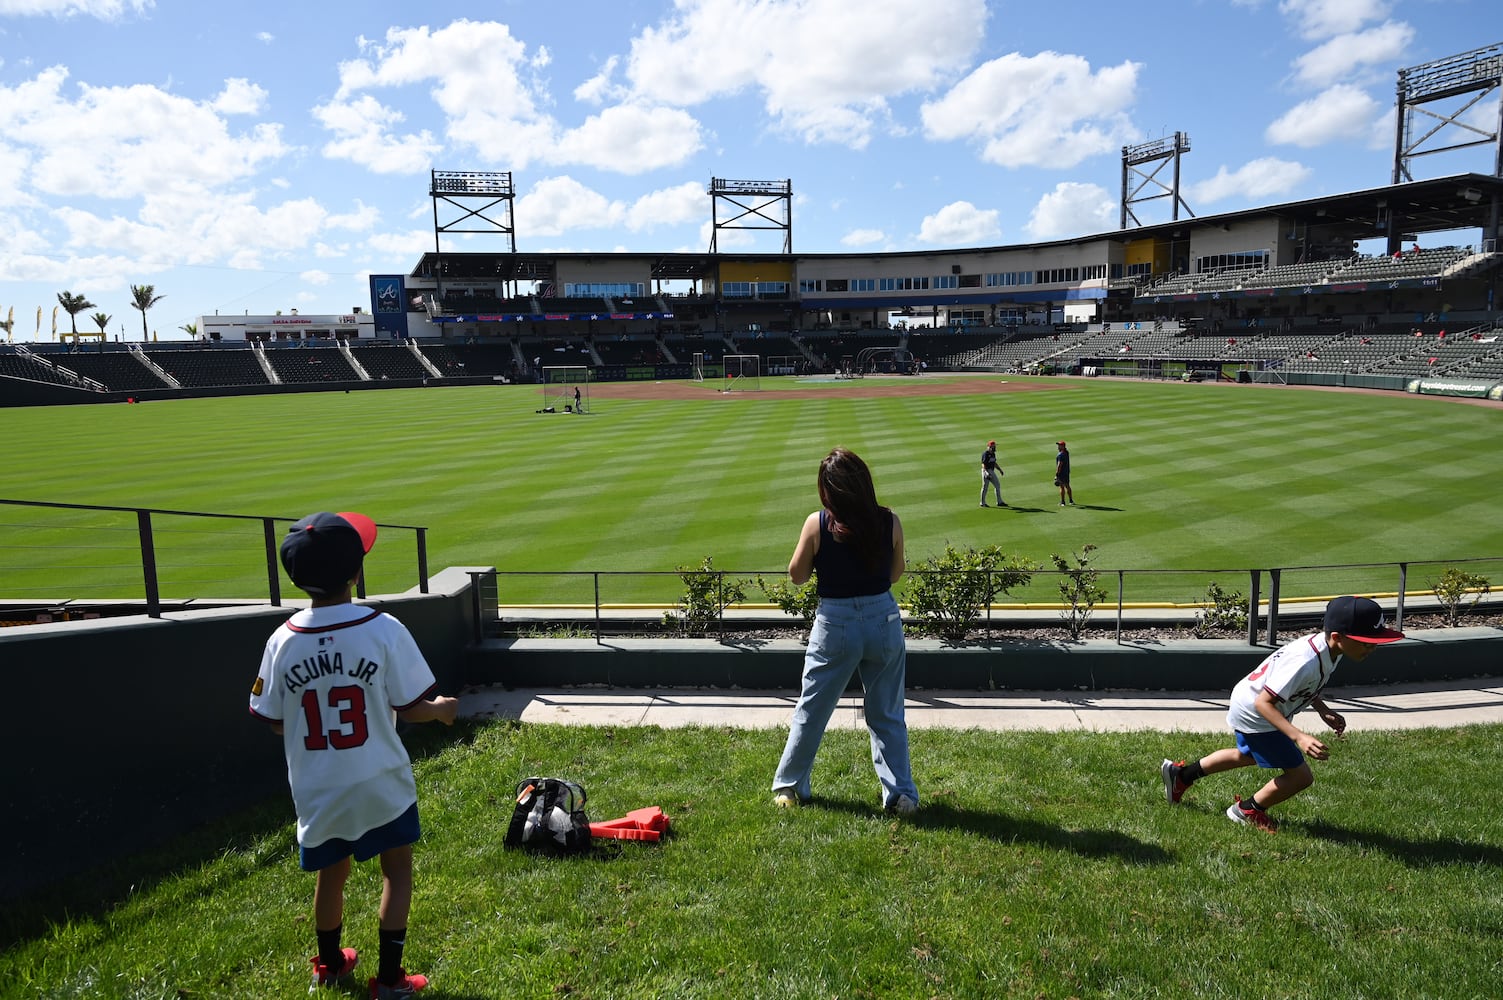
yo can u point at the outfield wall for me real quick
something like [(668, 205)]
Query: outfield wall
[(127, 731)]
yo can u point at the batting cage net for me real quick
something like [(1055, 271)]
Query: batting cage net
[(699, 366), (566, 389), (742, 372)]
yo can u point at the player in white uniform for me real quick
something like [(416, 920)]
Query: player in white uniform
[(1265, 701), (333, 680)]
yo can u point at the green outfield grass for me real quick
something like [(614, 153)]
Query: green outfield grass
[(1167, 476)]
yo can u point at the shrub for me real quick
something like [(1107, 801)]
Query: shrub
[(1454, 587), (707, 593), (1078, 589), (800, 601), (1222, 610), (946, 593)]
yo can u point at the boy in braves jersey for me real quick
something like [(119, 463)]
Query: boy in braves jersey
[(1264, 702), (333, 679)]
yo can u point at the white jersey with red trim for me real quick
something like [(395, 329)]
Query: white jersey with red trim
[(335, 677), (1294, 673)]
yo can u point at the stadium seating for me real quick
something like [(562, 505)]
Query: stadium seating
[(388, 361), (211, 367), (316, 364), (119, 371)]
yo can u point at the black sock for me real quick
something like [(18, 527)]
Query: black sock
[(1252, 803), (1191, 773), (392, 942), (329, 952)]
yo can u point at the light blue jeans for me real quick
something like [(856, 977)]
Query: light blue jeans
[(850, 634)]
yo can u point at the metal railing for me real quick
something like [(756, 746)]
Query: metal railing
[(599, 598), (103, 553)]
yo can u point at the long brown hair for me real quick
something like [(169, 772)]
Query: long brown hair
[(847, 492)]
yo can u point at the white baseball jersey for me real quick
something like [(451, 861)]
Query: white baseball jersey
[(1295, 674), (335, 677)]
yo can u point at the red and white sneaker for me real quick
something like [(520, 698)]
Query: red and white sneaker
[(402, 989), (324, 976), (1174, 788), (1248, 816)]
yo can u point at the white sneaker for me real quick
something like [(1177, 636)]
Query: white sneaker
[(904, 806)]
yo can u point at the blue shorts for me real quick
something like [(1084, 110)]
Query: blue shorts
[(399, 832), (1270, 749)]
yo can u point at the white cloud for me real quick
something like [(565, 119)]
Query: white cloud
[(315, 277), (104, 10), (1262, 178), (556, 205), (673, 206), (266, 37), (1046, 110), (1073, 209), (598, 88), (1324, 18), (483, 81), (863, 237), (1339, 112), (129, 142), (827, 81), (1349, 54), (631, 140), (960, 224), (240, 97)]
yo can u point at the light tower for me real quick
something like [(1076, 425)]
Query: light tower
[(753, 199), (1160, 151)]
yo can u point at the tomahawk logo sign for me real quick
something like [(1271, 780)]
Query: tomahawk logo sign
[(388, 295)]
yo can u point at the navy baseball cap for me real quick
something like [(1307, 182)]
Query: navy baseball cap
[(323, 552), (1359, 618)]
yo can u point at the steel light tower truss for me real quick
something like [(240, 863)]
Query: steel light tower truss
[(753, 203), (1163, 152), (1466, 80), (473, 196)]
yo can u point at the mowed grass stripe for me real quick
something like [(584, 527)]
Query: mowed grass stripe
[(1165, 474)]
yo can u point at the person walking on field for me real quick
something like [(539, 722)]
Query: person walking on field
[(1265, 702), (853, 546), (991, 475), (1062, 473)]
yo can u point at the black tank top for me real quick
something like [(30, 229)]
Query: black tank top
[(839, 571)]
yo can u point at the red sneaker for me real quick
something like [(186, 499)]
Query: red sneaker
[(324, 976), (402, 989), (1248, 816), (1174, 788)]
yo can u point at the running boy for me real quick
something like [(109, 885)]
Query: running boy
[(1264, 702), (332, 679)]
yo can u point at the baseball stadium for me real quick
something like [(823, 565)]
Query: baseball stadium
[(572, 455)]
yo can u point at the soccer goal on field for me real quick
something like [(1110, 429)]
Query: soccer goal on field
[(566, 389), (742, 372)]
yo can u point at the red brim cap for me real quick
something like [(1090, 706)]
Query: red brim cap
[(1378, 637), (363, 525)]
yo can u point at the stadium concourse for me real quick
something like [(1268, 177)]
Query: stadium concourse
[(1399, 706)]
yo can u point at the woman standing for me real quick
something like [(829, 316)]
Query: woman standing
[(854, 547)]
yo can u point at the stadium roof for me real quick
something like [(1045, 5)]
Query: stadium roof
[(1461, 201)]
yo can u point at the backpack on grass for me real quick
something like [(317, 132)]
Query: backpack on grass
[(549, 816)]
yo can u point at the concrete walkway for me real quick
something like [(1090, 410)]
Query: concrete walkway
[(1400, 706)]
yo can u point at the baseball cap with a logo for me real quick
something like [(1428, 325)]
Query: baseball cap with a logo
[(1359, 618), (323, 552)]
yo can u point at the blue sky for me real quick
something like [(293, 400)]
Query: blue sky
[(264, 156)]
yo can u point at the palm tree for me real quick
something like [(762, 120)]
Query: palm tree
[(144, 296), (191, 329), (74, 304), (101, 320)]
